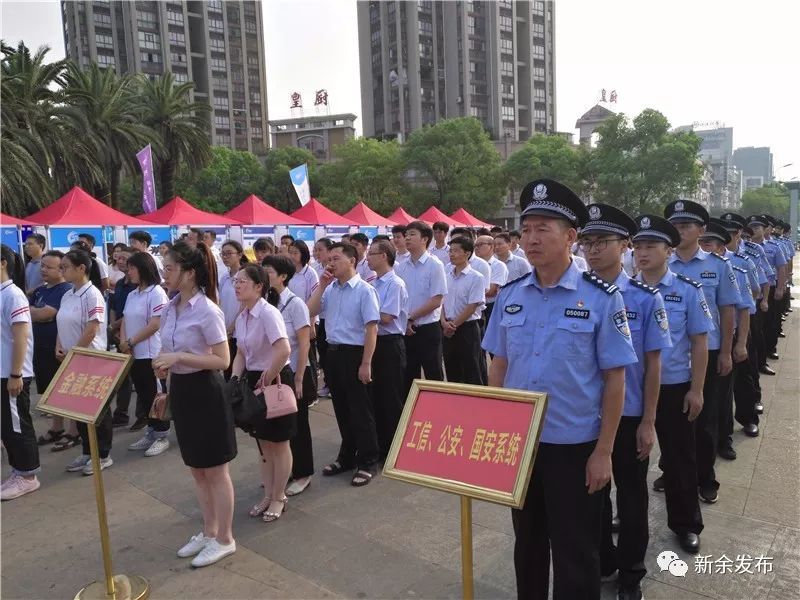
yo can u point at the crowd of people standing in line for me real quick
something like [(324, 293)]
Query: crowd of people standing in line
[(638, 328)]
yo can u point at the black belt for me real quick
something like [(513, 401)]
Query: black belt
[(344, 347), (391, 336)]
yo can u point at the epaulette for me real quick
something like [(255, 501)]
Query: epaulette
[(750, 244), (737, 268), (752, 253), (608, 288), (508, 283), (689, 280), (643, 286), (722, 258), (740, 254)]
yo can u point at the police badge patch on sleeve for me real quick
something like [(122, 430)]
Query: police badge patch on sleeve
[(705, 308), (732, 277), (621, 323), (661, 318)]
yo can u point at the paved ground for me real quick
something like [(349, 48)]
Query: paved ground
[(388, 540)]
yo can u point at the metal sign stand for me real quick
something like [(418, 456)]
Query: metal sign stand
[(466, 549)]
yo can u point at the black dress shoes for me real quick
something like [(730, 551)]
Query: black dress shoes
[(727, 452), (615, 525), (781, 335), (766, 370), (751, 429), (658, 484), (708, 494), (690, 542), (774, 356), (630, 594)]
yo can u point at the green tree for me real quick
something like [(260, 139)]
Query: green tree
[(772, 199), (461, 162), (641, 166), (365, 169), (180, 125), (550, 156), (278, 189), (229, 178)]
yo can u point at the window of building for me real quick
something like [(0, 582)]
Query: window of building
[(106, 60), (538, 8), (506, 23), (178, 57), (506, 46), (214, 5), (181, 78), (173, 17), (223, 139), (103, 41), (177, 37), (507, 68), (218, 63), (538, 115), (255, 97), (250, 25), (538, 51), (102, 19), (538, 72), (149, 41), (146, 19), (508, 113), (221, 102), (480, 112), (471, 25), (507, 88), (252, 60), (222, 121), (538, 29), (215, 25), (219, 81), (150, 57), (255, 131)]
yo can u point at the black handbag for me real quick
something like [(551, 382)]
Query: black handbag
[(249, 408)]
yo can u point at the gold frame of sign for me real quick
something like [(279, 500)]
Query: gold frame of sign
[(467, 491), (113, 587)]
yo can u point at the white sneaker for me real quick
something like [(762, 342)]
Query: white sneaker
[(17, 485), (195, 544), (79, 463), (157, 447), (143, 443), (104, 464), (213, 552)]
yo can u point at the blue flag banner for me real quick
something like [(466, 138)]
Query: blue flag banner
[(299, 177)]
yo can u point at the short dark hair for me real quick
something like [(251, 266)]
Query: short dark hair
[(441, 226), (503, 236), (381, 237), (287, 237), (197, 231), (54, 253), (127, 249), (305, 253), (483, 231), (495, 229), (360, 238), (423, 228), (465, 231), (398, 229), (88, 237), (38, 238), (327, 242), (283, 265), (141, 236), (146, 265), (515, 233), (466, 244), (212, 233), (345, 237), (385, 247), (264, 243), (347, 249)]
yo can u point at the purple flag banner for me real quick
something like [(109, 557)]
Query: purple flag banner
[(145, 157)]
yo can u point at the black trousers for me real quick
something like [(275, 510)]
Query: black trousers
[(707, 430), (388, 378), (322, 348), (562, 518), (232, 351), (630, 475), (424, 353), (105, 434), (122, 400), (301, 445), (144, 379), (352, 407), (753, 352), (758, 323), (725, 409), (19, 437), (463, 354), (676, 437), (772, 325), (45, 366)]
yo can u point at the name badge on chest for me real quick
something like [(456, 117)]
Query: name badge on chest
[(708, 275), (673, 298), (576, 313)]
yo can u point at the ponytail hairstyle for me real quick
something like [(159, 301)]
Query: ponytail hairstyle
[(14, 267), (243, 260), (82, 258), (201, 261), (258, 275)]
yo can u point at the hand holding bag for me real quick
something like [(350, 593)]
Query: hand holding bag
[(279, 398), (160, 409), (247, 405)]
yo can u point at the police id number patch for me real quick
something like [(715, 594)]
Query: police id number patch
[(673, 298), (661, 319), (577, 313), (708, 275), (621, 323), (513, 309)]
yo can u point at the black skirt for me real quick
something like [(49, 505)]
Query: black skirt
[(203, 419), (280, 429)]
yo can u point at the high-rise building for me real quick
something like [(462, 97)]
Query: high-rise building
[(217, 45), (755, 165), (429, 60), (716, 152)]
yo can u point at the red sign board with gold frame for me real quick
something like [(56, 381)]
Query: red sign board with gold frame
[(84, 383), (471, 440)]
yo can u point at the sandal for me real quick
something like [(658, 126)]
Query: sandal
[(333, 469), (269, 517), (295, 488), (259, 508), (52, 435), (66, 442), (361, 478)]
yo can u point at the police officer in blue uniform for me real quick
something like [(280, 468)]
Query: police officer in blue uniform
[(757, 254), (762, 226), (564, 332), (603, 241), (722, 295), (683, 369)]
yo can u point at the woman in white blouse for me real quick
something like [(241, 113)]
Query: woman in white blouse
[(232, 257), (262, 354)]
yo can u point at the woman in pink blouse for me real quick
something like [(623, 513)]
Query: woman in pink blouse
[(262, 354), (194, 351)]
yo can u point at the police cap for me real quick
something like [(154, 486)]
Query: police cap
[(653, 227), (715, 230), (758, 220), (686, 211), (732, 221), (549, 198), (604, 218)]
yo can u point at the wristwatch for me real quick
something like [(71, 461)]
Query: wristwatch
[(15, 376)]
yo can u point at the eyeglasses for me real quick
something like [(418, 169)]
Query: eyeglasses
[(375, 253), (226, 254), (598, 245)]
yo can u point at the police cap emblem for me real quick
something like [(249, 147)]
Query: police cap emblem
[(644, 223), (594, 213), (540, 192), (679, 206)]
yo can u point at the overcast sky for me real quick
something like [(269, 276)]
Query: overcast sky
[(708, 60)]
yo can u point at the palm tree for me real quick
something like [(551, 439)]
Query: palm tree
[(113, 126), (180, 125)]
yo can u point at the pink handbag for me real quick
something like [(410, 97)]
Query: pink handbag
[(279, 398)]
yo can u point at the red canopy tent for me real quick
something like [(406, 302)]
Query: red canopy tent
[(401, 217), (364, 215), (179, 212), (316, 213), (433, 214), (254, 211), (9, 221), (76, 207), (467, 219)]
